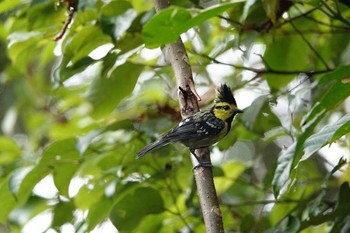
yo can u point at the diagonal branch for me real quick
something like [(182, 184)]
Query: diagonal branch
[(310, 46), (188, 102), (72, 8)]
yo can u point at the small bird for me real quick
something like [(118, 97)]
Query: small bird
[(202, 129)]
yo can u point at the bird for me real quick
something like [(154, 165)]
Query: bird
[(203, 128)]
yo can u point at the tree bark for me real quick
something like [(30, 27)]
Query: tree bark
[(188, 101)]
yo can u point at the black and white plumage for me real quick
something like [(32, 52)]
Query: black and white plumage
[(203, 128)]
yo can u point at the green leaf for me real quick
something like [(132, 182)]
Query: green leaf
[(8, 201), (130, 210), (115, 8), (167, 25), (63, 175), (232, 171), (98, 212), (84, 42), (287, 53), (30, 180), (243, 151), (258, 117), (9, 150), (326, 136), (293, 224), (299, 191), (334, 96), (339, 216), (293, 153), (81, 18), (105, 93), (17, 177), (77, 48), (271, 8), (21, 48), (171, 20), (50, 24), (59, 152), (343, 205), (290, 158), (251, 114), (8, 5), (61, 157), (73, 69), (62, 213), (35, 205), (342, 130), (153, 223), (338, 74), (247, 224), (87, 197), (64, 158), (115, 16)]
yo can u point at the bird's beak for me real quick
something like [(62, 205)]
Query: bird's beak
[(238, 111)]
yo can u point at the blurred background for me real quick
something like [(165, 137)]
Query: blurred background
[(85, 84)]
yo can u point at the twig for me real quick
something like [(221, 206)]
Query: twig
[(310, 46), (320, 22), (178, 211), (342, 28), (336, 15), (267, 70), (262, 202), (305, 14), (72, 8), (230, 20)]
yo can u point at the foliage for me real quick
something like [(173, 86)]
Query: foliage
[(74, 112)]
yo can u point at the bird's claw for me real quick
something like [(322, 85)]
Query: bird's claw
[(205, 164)]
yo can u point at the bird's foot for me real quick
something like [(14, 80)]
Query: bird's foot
[(205, 164), (200, 163)]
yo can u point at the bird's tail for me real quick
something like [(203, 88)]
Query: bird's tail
[(153, 146)]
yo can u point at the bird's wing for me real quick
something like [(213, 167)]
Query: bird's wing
[(196, 127)]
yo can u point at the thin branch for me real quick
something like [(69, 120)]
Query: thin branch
[(150, 65), (267, 70), (296, 86), (310, 46), (321, 22), (72, 8), (239, 67), (178, 211), (335, 15), (316, 31), (305, 14), (262, 202), (230, 20), (327, 24)]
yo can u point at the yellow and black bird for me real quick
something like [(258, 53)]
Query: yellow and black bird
[(203, 128)]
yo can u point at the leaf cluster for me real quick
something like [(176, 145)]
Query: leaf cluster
[(75, 112)]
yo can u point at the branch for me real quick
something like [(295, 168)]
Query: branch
[(267, 70), (310, 46), (332, 14), (262, 202), (188, 102), (302, 14), (72, 8)]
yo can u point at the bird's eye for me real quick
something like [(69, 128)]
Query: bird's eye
[(226, 108)]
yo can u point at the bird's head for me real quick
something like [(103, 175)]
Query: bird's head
[(225, 107)]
